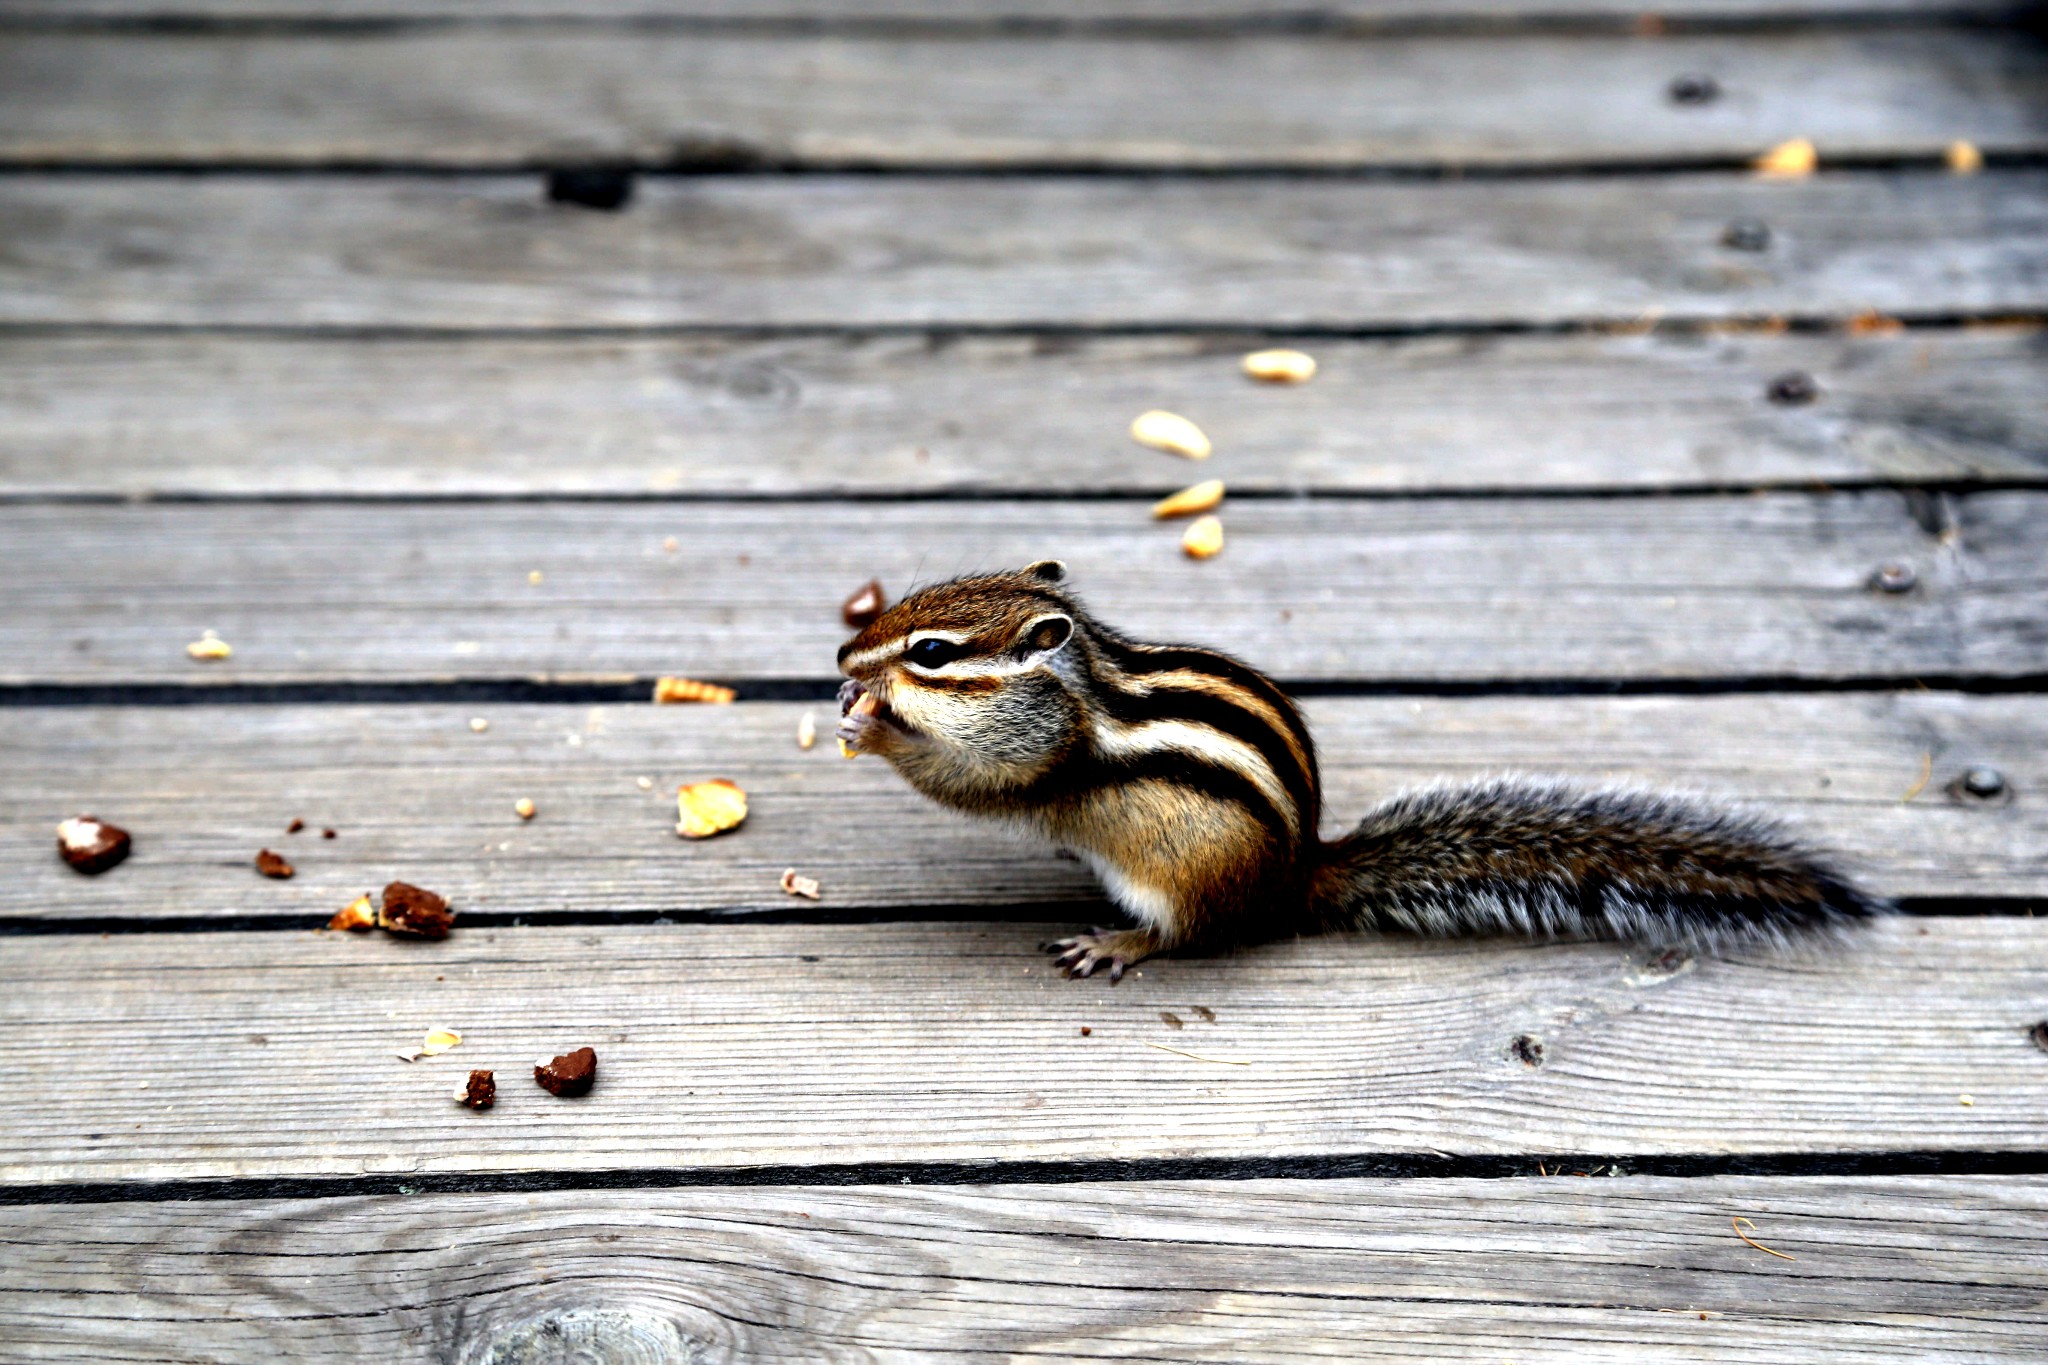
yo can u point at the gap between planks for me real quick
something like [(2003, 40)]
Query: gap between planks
[(415, 794), (1596, 1270)]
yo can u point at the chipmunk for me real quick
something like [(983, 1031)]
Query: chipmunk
[(1188, 781)]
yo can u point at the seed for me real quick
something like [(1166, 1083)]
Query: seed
[(1963, 158), (1280, 366), (1200, 498), (534, 577), (1203, 538), (1794, 160), (209, 647), (479, 724), (806, 731), (523, 808), (1171, 432)]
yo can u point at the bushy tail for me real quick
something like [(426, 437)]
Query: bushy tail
[(1516, 856)]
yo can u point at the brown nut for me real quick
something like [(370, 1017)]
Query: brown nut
[(869, 602), (272, 865), (91, 845), (414, 912), (480, 1091), (569, 1075)]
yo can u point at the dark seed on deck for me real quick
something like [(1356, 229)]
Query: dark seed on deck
[(1746, 234), (596, 187), (1793, 387), (1694, 90)]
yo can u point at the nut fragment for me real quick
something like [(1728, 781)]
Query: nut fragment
[(1794, 160), (1171, 432), (1203, 538), (480, 1091), (438, 1041), (707, 808), (209, 647), (91, 845), (1963, 158), (357, 915), (478, 724), (669, 691), (1197, 498), (409, 910), (868, 602), (271, 865), (807, 887), (806, 731), (523, 808), (1280, 366), (571, 1074)]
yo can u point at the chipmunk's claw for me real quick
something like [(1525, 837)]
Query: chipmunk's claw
[(1081, 955)]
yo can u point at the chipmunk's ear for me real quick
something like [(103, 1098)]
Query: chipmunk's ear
[(1043, 637), (1051, 570)]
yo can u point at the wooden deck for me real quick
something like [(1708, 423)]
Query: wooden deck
[(293, 347)]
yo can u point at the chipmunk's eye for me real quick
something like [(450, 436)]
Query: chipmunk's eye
[(934, 653)]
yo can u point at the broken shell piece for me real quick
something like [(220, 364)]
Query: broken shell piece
[(480, 1091), (707, 808), (1169, 431), (1199, 498), (91, 845), (209, 647), (806, 887), (1203, 538), (806, 731), (671, 691), (1963, 158), (865, 605), (523, 808), (1280, 366), (410, 910), (571, 1074), (1794, 160), (273, 866), (357, 915)]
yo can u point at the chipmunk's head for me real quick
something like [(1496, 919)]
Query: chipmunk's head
[(973, 667)]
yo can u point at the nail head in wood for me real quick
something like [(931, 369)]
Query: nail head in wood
[(1792, 388), (1894, 578)]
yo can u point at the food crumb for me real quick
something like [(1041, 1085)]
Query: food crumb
[(327, 834), (806, 887), (869, 601), (479, 724), (209, 647), (1086, 1031), (1280, 366), (1963, 158), (480, 1091), (707, 808), (806, 731), (669, 544), (358, 915), (1171, 432), (90, 845), (669, 691), (1967, 1101), (1203, 539), (1794, 160), (523, 808), (571, 1074), (273, 866), (645, 784), (1201, 497), (534, 577), (417, 913), (294, 827)]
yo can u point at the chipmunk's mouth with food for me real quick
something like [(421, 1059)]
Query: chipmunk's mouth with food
[(856, 703)]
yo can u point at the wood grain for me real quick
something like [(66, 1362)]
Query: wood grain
[(415, 794), (721, 1047), (231, 415), (1415, 591), (488, 252), (1607, 1270), (538, 93)]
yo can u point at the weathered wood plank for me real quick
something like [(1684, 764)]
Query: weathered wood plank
[(538, 93), (727, 1046), (414, 793), (313, 415), (470, 252), (1918, 1269), (1417, 590), (1364, 15)]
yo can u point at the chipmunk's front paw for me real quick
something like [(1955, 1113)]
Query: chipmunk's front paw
[(1082, 954)]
